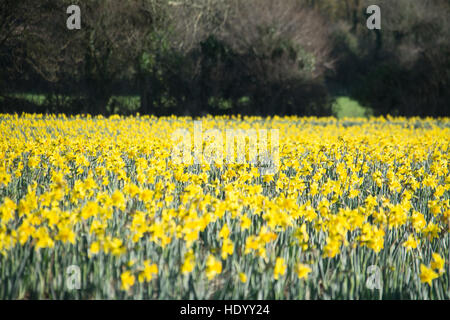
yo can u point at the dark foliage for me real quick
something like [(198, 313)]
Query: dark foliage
[(198, 57)]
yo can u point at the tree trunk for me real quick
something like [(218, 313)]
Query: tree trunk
[(145, 94)]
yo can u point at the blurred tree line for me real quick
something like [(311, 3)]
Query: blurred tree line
[(197, 57)]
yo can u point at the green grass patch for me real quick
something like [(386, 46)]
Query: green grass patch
[(38, 99), (345, 107), (116, 103)]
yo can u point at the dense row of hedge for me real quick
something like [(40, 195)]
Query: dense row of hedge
[(224, 57)]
